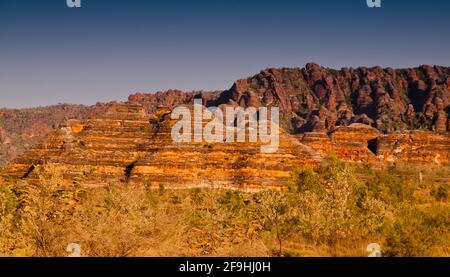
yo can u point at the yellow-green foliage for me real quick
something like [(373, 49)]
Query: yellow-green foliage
[(334, 206), (389, 186), (419, 232), (327, 212)]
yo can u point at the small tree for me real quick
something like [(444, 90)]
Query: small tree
[(333, 206), (277, 214)]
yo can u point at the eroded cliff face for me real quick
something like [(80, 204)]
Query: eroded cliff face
[(354, 143), (414, 146), (128, 146), (317, 99), (20, 129), (364, 144)]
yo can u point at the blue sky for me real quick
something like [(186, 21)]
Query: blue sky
[(109, 49)]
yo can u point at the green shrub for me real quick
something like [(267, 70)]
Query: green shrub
[(416, 232), (334, 205), (233, 200), (328, 211), (278, 216), (388, 186), (8, 202), (303, 180)]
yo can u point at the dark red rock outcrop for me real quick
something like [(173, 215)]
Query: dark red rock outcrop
[(169, 99), (320, 99)]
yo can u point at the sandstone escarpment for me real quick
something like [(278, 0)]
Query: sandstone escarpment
[(95, 149), (129, 146), (359, 143), (414, 146), (320, 99), (22, 128), (317, 106), (237, 165), (354, 143)]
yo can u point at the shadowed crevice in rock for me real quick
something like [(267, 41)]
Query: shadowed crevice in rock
[(372, 145), (128, 170), (28, 172)]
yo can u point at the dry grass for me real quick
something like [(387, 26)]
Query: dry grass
[(40, 219)]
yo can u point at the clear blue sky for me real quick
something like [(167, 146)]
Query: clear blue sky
[(110, 48)]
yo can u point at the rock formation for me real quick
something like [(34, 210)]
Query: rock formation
[(129, 146), (351, 143), (170, 98), (319, 99), (362, 115), (414, 146), (315, 98), (364, 144), (22, 128)]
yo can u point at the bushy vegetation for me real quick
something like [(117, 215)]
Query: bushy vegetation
[(389, 186), (330, 211), (419, 232), (334, 206)]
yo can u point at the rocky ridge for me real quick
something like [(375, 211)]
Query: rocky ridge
[(315, 98), (365, 115)]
